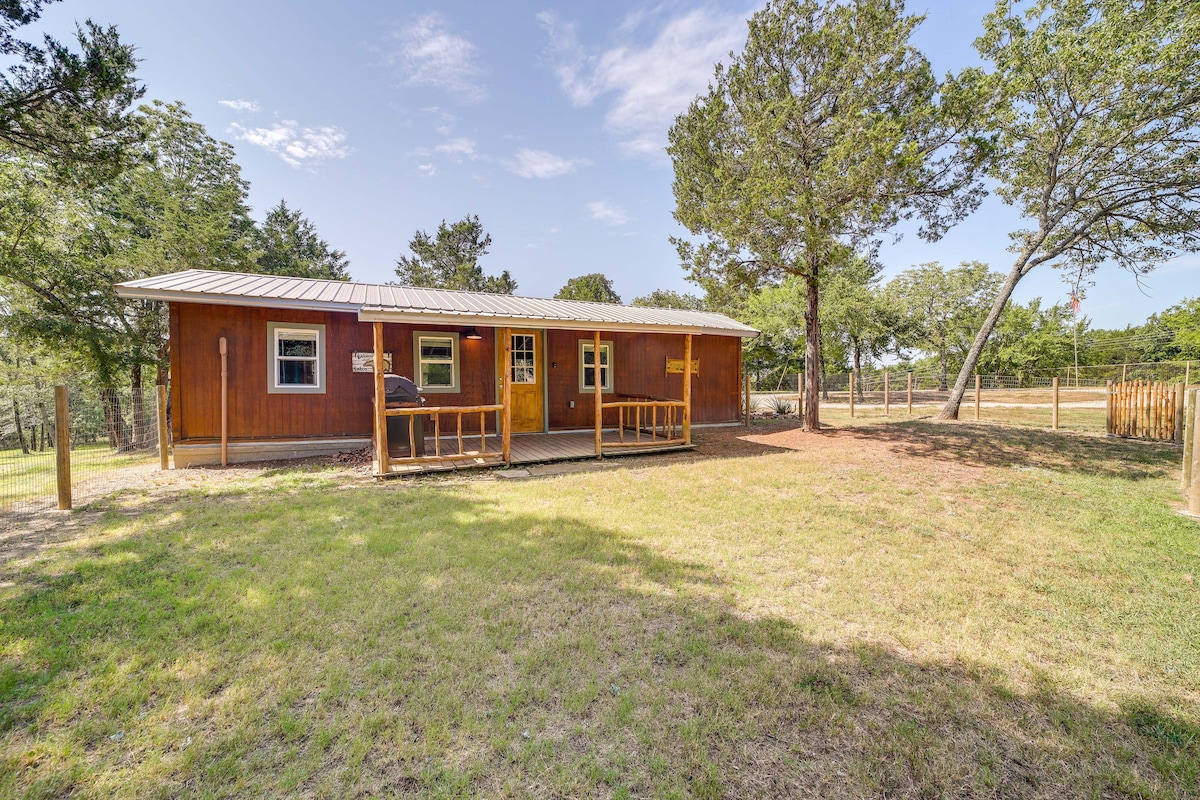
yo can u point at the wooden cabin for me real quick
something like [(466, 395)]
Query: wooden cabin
[(504, 379)]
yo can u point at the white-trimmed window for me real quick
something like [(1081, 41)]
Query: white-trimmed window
[(435, 355), (587, 366), (297, 358)]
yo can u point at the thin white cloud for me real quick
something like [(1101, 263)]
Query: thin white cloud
[(650, 82), (608, 213), (295, 145), (240, 105), (429, 170), (427, 53), (541, 164), (462, 146)]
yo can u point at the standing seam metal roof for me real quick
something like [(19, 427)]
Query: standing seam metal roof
[(205, 286)]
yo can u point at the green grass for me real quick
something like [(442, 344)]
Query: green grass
[(886, 610), (26, 477)]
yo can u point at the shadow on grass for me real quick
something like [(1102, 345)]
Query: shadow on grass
[(965, 443), (995, 445), (426, 642)]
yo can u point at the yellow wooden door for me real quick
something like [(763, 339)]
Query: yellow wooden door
[(525, 370)]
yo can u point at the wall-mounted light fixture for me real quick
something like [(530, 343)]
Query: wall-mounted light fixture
[(472, 333)]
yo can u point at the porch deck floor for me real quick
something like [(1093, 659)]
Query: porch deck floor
[(529, 448)]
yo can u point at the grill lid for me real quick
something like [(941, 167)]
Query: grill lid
[(398, 389)]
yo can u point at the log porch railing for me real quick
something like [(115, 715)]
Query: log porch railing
[(435, 413), (663, 418), (670, 421)]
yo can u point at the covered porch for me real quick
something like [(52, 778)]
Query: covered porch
[(456, 436)]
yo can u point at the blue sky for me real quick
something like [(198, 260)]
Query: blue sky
[(548, 121)]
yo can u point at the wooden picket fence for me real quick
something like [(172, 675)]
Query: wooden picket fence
[(1146, 410)]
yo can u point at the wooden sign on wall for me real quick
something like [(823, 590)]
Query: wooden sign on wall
[(364, 361), (675, 366)]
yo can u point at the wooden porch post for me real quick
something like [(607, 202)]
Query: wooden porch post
[(381, 440), (506, 397), (687, 389), (598, 386)]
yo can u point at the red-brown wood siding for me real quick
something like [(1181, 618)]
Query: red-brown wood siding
[(345, 407), (639, 368)]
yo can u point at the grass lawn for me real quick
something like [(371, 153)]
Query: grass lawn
[(901, 609), (30, 477)]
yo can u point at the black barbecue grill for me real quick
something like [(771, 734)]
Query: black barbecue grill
[(400, 392)]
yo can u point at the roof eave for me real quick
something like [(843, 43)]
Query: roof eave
[(168, 296), (496, 320)]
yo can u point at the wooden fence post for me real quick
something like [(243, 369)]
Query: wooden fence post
[(746, 391), (62, 447), (887, 394), (1194, 491), (910, 392), (800, 395), (1108, 408), (164, 457), (1180, 400), (1189, 414), (1054, 401), (976, 396), (851, 395)]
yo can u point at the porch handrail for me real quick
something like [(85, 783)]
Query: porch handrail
[(640, 412), (436, 412)]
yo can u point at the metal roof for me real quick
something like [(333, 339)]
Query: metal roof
[(389, 303)]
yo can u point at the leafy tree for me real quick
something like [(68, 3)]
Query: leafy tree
[(288, 244), (857, 312), (593, 286), (71, 109), (181, 206), (665, 298), (828, 129), (1030, 337), (450, 260), (1098, 116), (1182, 323), (943, 308)]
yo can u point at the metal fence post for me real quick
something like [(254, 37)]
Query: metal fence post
[(62, 447)]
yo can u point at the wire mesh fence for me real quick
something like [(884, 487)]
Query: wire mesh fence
[(113, 437), (1026, 399)]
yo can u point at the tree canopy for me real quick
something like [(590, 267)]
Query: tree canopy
[(666, 298), (593, 286), (70, 108), (828, 129), (942, 308), (450, 259), (288, 244), (1097, 113)]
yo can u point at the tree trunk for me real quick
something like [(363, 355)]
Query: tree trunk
[(943, 370), (114, 420), (858, 381), (141, 423), (950, 410), (20, 430), (812, 352)]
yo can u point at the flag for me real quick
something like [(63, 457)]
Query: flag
[(1075, 302)]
